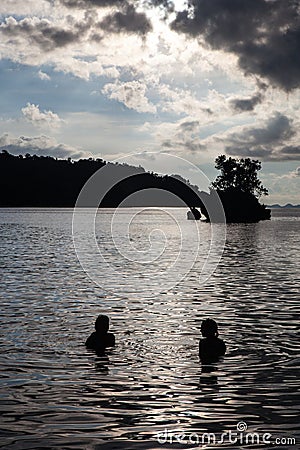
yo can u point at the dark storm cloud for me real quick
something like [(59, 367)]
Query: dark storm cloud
[(289, 153), (267, 143), (279, 128), (247, 104), (293, 150), (128, 21), (264, 34)]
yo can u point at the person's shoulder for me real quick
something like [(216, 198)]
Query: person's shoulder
[(111, 340), (222, 344), (91, 339)]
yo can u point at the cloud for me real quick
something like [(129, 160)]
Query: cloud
[(37, 118), (30, 7), (128, 21), (181, 101), (180, 137), (44, 76), (132, 94), (78, 44), (283, 187), (192, 145), (125, 19), (189, 126), (291, 150), (168, 5), (264, 34), (49, 35), (267, 142), (39, 145), (247, 104), (43, 33), (289, 153), (84, 4), (291, 175)]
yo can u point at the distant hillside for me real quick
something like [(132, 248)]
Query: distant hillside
[(288, 205), (43, 181)]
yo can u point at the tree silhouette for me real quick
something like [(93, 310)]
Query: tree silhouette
[(240, 174), (43, 181), (239, 189)]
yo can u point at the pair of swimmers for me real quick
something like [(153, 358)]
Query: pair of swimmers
[(211, 347)]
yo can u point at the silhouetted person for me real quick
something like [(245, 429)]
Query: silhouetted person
[(211, 347), (100, 339)]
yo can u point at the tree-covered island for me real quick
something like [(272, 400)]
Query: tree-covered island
[(239, 189), (44, 181)]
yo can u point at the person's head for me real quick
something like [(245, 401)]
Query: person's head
[(102, 324), (209, 328)]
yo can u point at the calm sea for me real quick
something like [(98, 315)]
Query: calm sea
[(56, 394)]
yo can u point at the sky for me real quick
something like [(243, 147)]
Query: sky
[(108, 78)]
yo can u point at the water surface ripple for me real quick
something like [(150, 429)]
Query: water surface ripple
[(56, 394)]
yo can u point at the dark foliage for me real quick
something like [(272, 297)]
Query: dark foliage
[(242, 207), (240, 174), (238, 187), (43, 181)]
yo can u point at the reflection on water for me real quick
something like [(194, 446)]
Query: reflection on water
[(55, 393)]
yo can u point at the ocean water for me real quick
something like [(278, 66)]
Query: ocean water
[(150, 389)]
